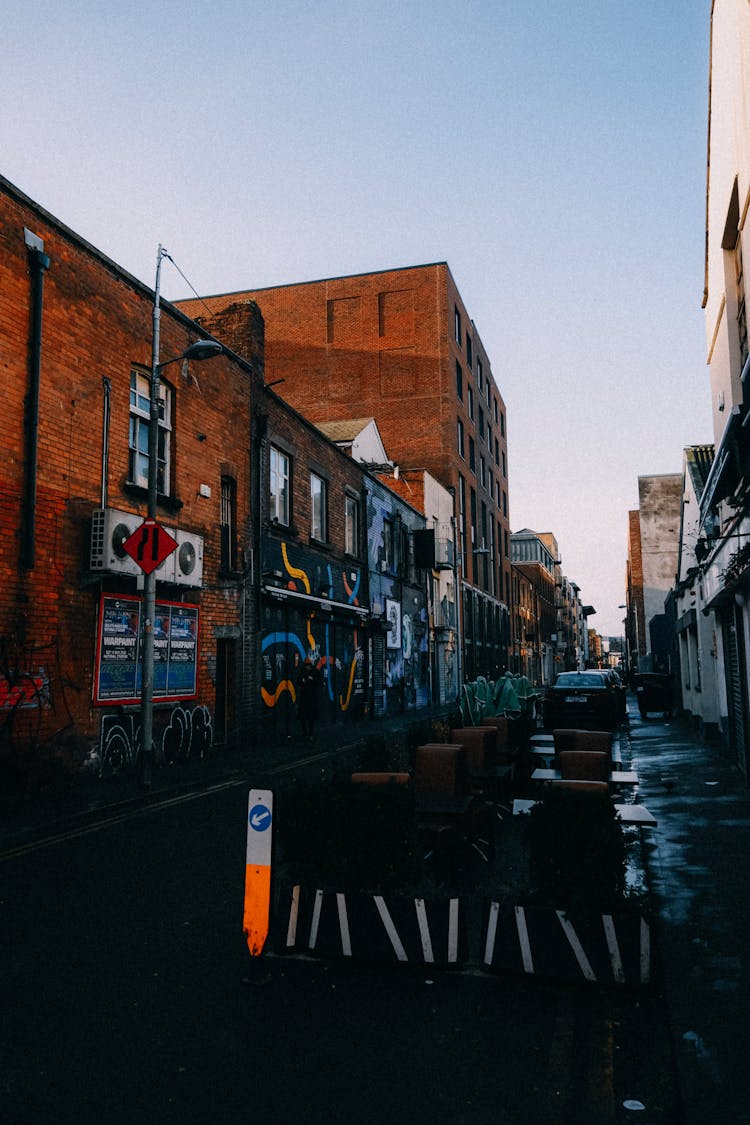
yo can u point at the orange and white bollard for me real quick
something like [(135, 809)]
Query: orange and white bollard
[(258, 869)]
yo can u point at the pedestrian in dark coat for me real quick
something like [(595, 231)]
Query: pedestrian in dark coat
[(307, 698)]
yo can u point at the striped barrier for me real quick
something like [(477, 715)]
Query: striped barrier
[(369, 927), (599, 948)]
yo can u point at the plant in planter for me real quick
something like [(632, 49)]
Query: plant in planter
[(576, 850), (341, 836)]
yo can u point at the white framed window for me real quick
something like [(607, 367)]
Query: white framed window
[(318, 508), (351, 526), (279, 486), (140, 414)]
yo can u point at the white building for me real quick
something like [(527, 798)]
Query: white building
[(724, 520)]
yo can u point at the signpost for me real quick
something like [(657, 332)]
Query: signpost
[(149, 545), (258, 869)]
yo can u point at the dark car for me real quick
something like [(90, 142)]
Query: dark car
[(585, 700)]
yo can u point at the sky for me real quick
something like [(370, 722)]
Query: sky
[(554, 154)]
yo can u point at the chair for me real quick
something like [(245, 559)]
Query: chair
[(378, 778)]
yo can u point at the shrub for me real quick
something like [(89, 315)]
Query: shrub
[(576, 849), (345, 836)]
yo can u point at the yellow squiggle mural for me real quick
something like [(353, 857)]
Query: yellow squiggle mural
[(294, 571), (344, 703), (271, 700)]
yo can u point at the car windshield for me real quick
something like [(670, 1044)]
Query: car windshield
[(579, 679)]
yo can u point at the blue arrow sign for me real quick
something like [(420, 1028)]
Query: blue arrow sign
[(259, 818)]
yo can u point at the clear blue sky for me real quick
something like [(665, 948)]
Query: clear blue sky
[(552, 153)]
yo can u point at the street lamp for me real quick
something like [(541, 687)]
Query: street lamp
[(198, 351)]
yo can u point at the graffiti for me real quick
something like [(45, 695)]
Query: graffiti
[(28, 716), (293, 633), (187, 734)]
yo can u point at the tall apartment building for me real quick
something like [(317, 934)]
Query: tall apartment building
[(400, 346)]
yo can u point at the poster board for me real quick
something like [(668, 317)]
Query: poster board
[(118, 672)]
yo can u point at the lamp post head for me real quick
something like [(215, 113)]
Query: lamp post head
[(203, 349)]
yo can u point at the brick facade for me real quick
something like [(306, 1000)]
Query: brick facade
[(400, 346), (95, 328)]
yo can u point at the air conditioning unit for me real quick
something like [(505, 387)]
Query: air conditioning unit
[(110, 527), (187, 560)]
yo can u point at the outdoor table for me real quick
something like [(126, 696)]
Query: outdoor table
[(616, 777), (629, 814)]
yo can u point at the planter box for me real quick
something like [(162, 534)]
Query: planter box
[(576, 945), (392, 928)]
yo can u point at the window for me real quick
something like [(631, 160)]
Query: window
[(479, 374), (279, 505), (480, 423), (483, 472), (472, 456), (459, 381), (351, 526), (505, 503), (228, 525), (469, 353), (497, 452), (462, 519), (470, 402), (460, 438), (318, 508), (502, 423), (505, 467), (140, 413), (457, 325)]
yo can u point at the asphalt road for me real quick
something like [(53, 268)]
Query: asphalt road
[(128, 995)]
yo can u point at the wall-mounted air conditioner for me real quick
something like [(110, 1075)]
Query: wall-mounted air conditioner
[(110, 527), (187, 560)]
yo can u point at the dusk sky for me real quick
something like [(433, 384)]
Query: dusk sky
[(554, 154)]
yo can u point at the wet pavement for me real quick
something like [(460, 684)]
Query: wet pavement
[(698, 864)]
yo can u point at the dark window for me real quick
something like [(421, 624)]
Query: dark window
[(459, 381), (460, 438), (472, 456), (469, 355)]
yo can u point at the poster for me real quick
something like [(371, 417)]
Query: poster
[(118, 665)]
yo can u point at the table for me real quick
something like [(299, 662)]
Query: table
[(616, 777), (629, 814)]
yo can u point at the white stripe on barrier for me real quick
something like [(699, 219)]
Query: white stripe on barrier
[(424, 929), (523, 937), (315, 920), (390, 929), (453, 930), (576, 946), (291, 930), (346, 942), (489, 944), (614, 948)]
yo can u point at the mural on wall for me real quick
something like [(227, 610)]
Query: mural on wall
[(400, 602), (181, 733), (292, 632)]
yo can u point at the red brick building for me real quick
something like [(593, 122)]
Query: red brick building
[(400, 346), (270, 519), (76, 365)]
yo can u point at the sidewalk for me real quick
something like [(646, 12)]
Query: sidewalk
[(698, 863)]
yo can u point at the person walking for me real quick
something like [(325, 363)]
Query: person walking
[(307, 698)]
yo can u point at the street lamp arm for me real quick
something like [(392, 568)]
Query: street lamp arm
[(199, 351)]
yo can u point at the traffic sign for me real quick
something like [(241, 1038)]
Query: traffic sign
[(258, 869), (149, 545)]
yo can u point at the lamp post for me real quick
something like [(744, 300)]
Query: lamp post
[(198, 351)]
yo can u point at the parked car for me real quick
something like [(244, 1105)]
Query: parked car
[(586, 700), (620, 690), (653, 691)]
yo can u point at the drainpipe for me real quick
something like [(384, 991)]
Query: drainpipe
[(39, 263)]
